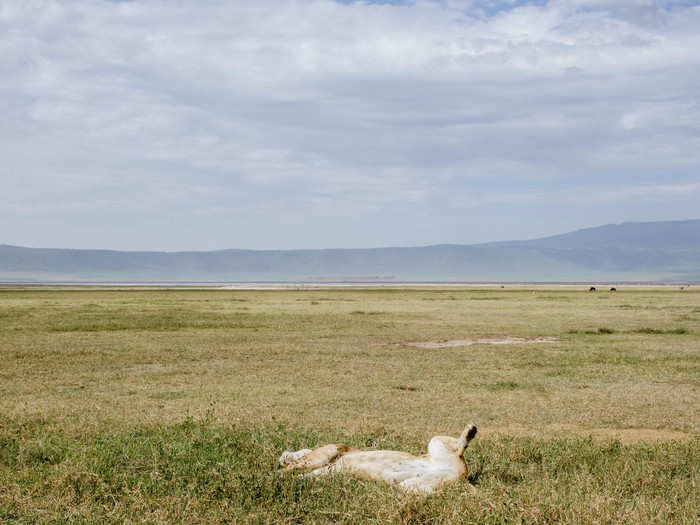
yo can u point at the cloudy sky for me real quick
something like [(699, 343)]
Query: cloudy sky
[(318, 123)]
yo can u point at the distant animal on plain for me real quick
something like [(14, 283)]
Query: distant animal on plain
[(613, 289), (591, 289), (422, 474)]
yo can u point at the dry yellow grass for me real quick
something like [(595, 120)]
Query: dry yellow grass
[(337, 358), (335, 363)]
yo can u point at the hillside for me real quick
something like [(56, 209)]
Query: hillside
[(654, 251)]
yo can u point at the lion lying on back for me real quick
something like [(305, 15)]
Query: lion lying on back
[(442, 464)]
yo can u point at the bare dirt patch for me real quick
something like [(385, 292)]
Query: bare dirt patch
[(624, 435), (445, 343), (634, 435)]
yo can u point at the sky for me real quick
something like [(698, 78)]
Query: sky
[(282, 124)]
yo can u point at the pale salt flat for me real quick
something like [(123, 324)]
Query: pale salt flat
[(483, 341)]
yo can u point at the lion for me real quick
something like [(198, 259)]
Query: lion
[(423, 474)]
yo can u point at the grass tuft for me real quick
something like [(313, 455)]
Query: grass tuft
[(656, 331), (503, 386)]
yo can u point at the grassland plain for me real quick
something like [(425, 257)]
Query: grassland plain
[(155, 405)]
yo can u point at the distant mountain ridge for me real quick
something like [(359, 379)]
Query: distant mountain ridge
[(658, 235), (642, 251)]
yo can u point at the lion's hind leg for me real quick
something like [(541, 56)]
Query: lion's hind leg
[(317, 458), (289, 457)]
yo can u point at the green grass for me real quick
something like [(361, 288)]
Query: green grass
[(204, 471), (171, 406)]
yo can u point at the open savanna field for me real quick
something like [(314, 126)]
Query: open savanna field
[(173, 405)]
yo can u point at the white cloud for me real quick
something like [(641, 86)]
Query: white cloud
[(320, 110)]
